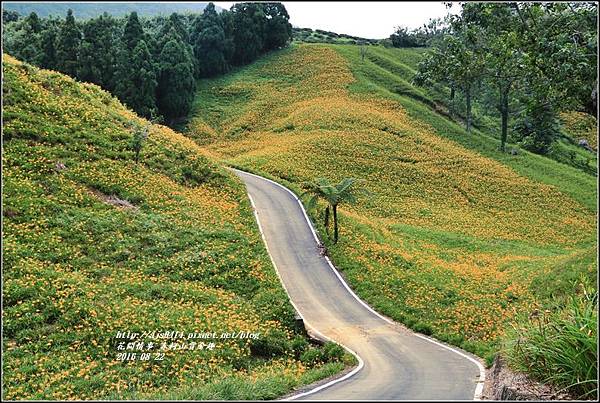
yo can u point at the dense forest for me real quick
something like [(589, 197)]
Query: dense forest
[(517, 63), (150, 64), (84, 10)]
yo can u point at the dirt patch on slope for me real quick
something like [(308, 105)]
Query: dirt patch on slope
[(112, 200)]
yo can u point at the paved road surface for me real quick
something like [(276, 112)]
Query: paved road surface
[(398, 364)]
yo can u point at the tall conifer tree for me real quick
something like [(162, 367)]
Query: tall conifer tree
[(208, 41), (67, 48), (98, 51), (176, 86)]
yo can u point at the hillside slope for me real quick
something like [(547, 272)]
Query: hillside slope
[(388, 74), (458, 238), (95, 244)]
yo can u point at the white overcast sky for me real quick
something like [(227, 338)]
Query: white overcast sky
[(373, 20)]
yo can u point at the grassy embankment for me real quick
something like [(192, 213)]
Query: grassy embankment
[(459, 239), (184, 255)]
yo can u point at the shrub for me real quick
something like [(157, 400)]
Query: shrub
[(537, 129), (333, 352), (140, 134), (299, 346), (560, 346), (196, 173), (329, 352), (311, 357), (274, 344)]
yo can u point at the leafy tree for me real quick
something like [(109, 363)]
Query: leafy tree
[(23, 39), (334, 195), (278, 30), (67, 48), (9, 16), (503, 62), (467, 65), (209, 44), (405, 38), (559, 56), (458, 61), (537, 127), (176, 86), (539, 57), (503, 58), (435, 69)]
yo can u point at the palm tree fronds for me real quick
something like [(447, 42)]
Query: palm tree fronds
[(334, 194)]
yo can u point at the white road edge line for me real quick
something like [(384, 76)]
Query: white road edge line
[(361, 363), (480, 382)]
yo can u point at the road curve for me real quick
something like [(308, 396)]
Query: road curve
[(395, 363)]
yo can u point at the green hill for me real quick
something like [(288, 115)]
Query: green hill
[(458, 239), (308, 35), (95, 243)]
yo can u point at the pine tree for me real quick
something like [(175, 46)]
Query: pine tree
[(67, 48), (248, 31), (98, 51), (34, 24), (175, 25), (137, 88), (228, 28), (48, 38), (9, 16), (135, 79), (208, 41), (175, 21), (133, 32), (176, 86)]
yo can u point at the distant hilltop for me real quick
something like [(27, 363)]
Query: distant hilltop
[(89, 10), (320, 36)]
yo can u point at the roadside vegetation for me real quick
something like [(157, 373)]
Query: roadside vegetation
[(559, 346), (458, 236), (110, 224)]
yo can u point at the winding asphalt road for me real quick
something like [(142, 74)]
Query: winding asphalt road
[(395, 363)]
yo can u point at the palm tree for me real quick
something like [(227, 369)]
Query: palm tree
[(333, 194)]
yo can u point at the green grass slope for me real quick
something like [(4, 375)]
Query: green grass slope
[(94, 243), (458, 239), (388, 72)]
